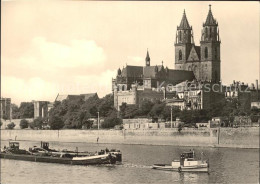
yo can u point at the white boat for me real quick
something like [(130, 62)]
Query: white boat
[(187, 163)]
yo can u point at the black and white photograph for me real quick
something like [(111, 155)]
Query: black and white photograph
[(130, 92)]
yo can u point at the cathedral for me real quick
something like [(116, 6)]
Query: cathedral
[(134, 84), (203, 60)]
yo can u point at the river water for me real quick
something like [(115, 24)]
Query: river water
[(227, 165)]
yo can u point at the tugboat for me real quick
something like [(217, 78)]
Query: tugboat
[(44, 154), (187, 163)]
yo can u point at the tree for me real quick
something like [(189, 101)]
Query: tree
[(37, 123), (156, 111), (10, 126), (179, 127), (15, 111), (106, 105), (56, 122), (24, 124), (128, 111), (26, 110), (84, 119), (123, 109), (5, 117), (1, 123), (76, 113), (145, 107), (112, 120), (186, 116)]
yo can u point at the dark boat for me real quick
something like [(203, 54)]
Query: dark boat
[(53, 156)]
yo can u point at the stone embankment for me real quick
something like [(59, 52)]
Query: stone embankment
[(223, 137)]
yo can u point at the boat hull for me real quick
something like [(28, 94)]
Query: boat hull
[(181, 169), (92, 160)]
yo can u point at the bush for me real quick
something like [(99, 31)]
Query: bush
[(111, 121), (179, 128), (37, 123), (11, 126), (24, 124), (56, 123)]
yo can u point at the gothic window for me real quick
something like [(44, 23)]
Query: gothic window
[(206, 32), (210, 32), (206, 52), (180, 55), (123, 88), (180, 36)]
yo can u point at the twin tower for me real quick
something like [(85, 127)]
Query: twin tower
[(203, 60)]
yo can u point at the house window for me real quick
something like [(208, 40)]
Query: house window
[(206, 52), (180, 55)]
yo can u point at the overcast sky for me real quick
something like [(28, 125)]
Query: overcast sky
[(75, 47)]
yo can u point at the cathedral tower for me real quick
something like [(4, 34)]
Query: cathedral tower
[(210, 49), (147, 59), (182, 43)]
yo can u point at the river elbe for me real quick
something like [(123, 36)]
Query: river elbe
[(227, 165)]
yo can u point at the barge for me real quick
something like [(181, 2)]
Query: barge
[(44, 154)]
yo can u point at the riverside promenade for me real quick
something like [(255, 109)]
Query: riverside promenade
[(242, 137)]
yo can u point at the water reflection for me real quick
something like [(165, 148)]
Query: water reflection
[(226, 166)]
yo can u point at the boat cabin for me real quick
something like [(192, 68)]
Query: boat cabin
[(45, 145), (188, 155), (14, 145)]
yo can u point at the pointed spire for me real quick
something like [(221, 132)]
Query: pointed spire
[(184, 22), (210, 19), (119, 71), (147, 59), (147, 56)]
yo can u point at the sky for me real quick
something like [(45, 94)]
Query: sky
[(76, 47)]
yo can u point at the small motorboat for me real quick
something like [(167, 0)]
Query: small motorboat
[(187, 163)]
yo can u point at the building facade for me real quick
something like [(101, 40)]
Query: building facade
[(192, 63), (203, 60), (5, 107), (40, 109)]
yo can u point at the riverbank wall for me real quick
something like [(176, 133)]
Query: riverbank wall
[(243, 137)]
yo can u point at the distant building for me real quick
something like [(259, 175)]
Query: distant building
[(40, 109), (5, 107), (255, 92), (71, 97), (195, 95), (241, 92), (255, 105), (202, 125), (242, 121)]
